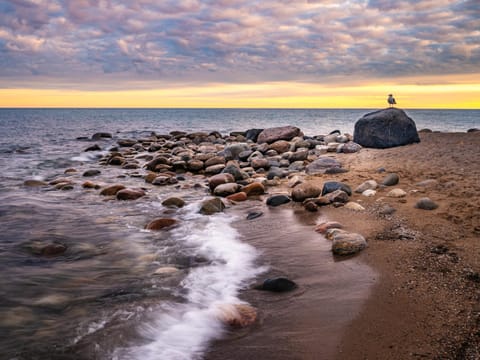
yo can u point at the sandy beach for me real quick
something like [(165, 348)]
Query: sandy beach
[(422, 272)]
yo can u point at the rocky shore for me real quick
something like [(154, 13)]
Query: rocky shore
[(415, 208)]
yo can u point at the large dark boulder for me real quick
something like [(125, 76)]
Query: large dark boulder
[(385, 128)]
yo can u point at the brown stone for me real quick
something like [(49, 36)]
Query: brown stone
[(305, 191), (253, 189), (323, 227), (237, 315), (218, 179), (130, 194), (240, 196), (161, 223), (112, 190), (90, 185), (271, 135), (280, 146)]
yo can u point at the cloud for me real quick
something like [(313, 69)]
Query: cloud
[(127, 42)]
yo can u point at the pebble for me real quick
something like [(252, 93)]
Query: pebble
[(255, 188), (367, 185), (304, 191), (369, 193), (426, 203), (397, 193), (391, 179), (226, 189), (348, 243), (240, 196), (212, 206), (351, 205), (92, 172), (112, 190), (34, 183), (277, 200), (175, 202), (323, 227), (160, 223), (130, 194)]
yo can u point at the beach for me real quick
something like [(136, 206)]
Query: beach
[(424, 299), (148, 245)]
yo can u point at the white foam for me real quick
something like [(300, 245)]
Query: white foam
[(183, 331)]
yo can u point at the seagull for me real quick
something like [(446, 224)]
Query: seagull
[(391, 100)]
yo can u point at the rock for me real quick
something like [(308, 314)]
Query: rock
[(252, 134), (92, 172), (226, 189), (112, 190), (385, 128), (212, 206), (116, 160), (160, 223), (276, 172), (310, 205), (236, 172), (426, 203), (367, 185), (174, 202), (236, 315), (259, 163), (277, 200), (34, 183), (351, 147), (218, 179), (386, 209), (280, 146), (304, 191), (240, 196), (232, 152), (271, 135), (166, 270), (296, 166), (90, 185), (473, 130), (130, 194), (427, 183), (126, 142), (253, 189), (53, 249), (323, 227), (391, 179), (216, 160), (331, 138), (254, 214), (195, 165), (95, 147), (369, 193), (338, 196), (163, 180), (351, 205), (335, 170), (348, 243), (101, 135), (294, 181), (321, 165), (299, 155), (396, 193), (279, 284), (330, 233), (70, 171), (214, 169), (331, 186)]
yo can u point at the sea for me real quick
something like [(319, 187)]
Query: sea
[(120, 291)]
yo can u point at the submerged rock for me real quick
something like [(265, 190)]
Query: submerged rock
[(237, 315), (130, 194), (112, 190), (279, 284), (174, 202), (212, 206), (92, 172), (160, 223)]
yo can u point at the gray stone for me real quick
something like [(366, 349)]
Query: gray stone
[(426, 204), (385, 128), (391, 179), (321, 165), (331, 186), (366, 185), (277, 200)]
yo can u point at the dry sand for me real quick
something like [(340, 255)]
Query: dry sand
[(422, 268)]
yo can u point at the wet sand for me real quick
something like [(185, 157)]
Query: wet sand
[(413, 293)]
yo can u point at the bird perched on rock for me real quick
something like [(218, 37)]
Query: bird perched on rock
[(391, 100)]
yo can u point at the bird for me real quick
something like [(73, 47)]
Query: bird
[(391, 100)]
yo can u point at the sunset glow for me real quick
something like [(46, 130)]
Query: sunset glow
[(323, 54)]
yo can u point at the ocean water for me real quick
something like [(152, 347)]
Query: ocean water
[(113, 293)]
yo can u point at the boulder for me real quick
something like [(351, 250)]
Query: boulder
[(305, 191), (385, 128), (212, 206), (322, 164), (161, 223), (271, 135)]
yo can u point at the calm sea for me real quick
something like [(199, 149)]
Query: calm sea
[(101, 298)]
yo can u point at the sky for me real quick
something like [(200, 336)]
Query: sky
[(250, 53)]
